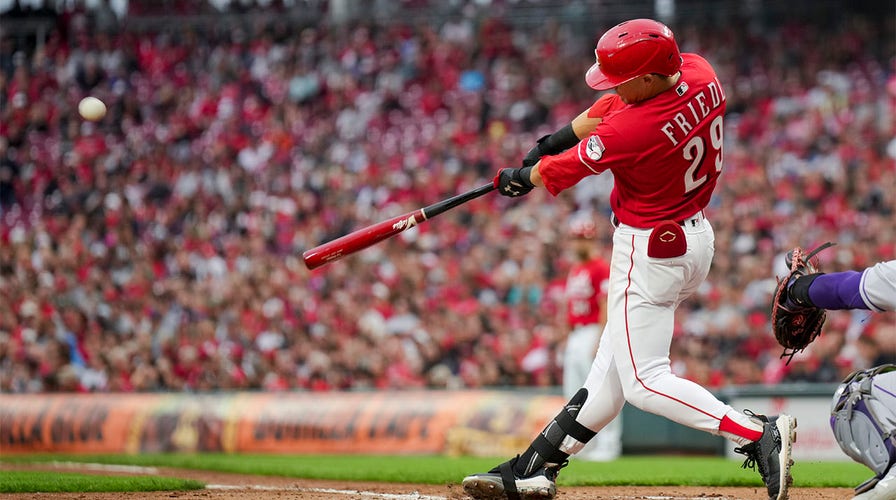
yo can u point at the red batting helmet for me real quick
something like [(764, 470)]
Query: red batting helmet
[(631, 49)]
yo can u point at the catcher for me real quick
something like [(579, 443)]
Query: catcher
[(863, 418), (862, 410), (803, 296)]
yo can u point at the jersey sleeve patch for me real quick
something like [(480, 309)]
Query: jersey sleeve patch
[(591, 151), (595, 148)]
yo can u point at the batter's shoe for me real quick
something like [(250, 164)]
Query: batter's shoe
[(878, 489), (502, 483), (771, 453)]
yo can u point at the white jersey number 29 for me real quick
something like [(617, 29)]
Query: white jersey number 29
[(695, 151)]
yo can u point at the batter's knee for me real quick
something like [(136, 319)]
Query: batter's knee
[(637, 391)]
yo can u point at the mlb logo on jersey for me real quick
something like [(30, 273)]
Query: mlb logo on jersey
[(595, 148)]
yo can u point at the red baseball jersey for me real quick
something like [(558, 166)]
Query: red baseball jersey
[(586, 283), (665, 153), (605, 105)]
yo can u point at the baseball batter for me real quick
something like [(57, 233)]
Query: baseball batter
[(664, 148)]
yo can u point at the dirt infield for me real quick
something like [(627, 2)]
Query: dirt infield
[(241, 487)]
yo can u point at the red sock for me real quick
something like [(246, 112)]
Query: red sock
[(732, 427)]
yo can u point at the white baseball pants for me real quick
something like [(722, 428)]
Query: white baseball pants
[(632, 362)]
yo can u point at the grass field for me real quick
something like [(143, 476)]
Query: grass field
[(65, 482), (635, 470)]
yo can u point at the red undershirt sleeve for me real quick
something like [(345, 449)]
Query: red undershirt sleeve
[(604, 105)]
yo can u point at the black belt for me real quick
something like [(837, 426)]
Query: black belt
[(615, 221)]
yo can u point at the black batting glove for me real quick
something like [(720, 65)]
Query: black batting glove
[(514, 182), (535, 153), (551, 144)]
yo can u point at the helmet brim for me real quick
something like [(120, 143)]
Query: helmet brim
[(597, 80)]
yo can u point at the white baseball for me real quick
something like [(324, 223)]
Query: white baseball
[(91, 108)]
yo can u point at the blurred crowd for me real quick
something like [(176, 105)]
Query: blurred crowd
[(160, 248)]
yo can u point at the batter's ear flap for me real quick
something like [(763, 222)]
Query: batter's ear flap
[(667, 240)]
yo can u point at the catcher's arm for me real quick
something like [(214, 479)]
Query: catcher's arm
[(796, 322)]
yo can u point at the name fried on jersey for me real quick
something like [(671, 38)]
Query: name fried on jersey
[(699, 106)]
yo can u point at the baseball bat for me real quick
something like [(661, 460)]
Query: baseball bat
[(370, 235)]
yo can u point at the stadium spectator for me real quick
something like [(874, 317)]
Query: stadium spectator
[(158, 248)]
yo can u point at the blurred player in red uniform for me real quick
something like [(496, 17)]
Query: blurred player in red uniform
[(664, 148), (585, 294), (586, 300)]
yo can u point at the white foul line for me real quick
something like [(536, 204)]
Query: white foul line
[(371, 494), (135, 469), (391, 496), (668, 498)]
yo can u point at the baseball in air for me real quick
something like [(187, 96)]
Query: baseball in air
[(91, 108)]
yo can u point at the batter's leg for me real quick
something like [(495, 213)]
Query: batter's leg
[(643, 295), (578, 356), (532, 474), (642, 330), (605, 395)]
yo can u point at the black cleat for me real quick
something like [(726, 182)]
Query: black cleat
[(771, 453), (502, 483)]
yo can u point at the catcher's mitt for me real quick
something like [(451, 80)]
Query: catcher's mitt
[(796, 323)]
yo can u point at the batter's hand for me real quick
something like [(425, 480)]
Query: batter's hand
[(535, 153), (514, 182)]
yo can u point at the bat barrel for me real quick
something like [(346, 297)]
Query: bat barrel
[(370, 235), (360, 239)]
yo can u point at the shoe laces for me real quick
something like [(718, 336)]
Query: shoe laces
[(751, 450), (753, 461)]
